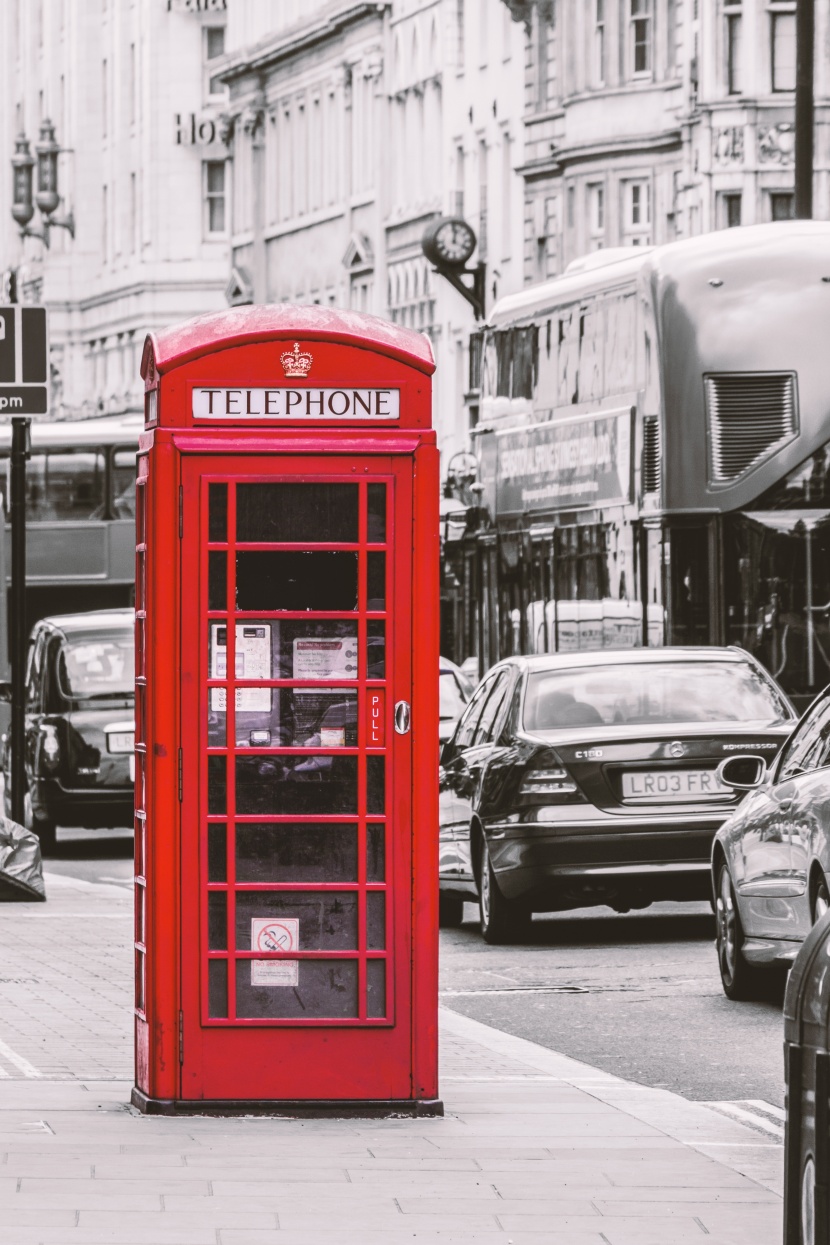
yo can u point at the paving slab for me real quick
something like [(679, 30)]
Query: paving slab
[(535, 1148)]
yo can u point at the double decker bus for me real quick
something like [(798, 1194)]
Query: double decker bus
[(80, 514), (654, 457)]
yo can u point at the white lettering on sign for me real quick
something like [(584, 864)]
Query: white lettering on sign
[(297, 404)]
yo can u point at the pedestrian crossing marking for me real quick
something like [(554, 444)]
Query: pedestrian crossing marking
[(753, 1112), (22, 1065)]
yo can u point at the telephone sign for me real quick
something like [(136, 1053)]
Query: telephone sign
[(24, 361)]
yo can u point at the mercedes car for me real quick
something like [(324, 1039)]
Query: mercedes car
[(592, 778), (771, 858)]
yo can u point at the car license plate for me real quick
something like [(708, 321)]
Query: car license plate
[(121, 741), (677, 784)]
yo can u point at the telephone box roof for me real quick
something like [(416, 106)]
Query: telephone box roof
[(241, 326)]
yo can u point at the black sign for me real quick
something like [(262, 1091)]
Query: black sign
[(24, 361)]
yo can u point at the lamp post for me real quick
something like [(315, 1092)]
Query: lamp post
[(804, 108), (47, 197)]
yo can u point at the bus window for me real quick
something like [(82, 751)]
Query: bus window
[(65, 484), (123, 484)]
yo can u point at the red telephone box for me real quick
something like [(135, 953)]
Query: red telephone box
[(287, 717)]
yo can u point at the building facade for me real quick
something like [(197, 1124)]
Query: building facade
[(353, 125), (130, 89), (651, 120)]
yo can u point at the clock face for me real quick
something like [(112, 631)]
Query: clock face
[(455, 241)]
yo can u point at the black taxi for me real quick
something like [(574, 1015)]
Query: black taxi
[(80, 723)]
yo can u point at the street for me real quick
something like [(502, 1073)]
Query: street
[(535, 1146), (637, 996)]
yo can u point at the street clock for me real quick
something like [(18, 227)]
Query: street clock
[(449, 242)]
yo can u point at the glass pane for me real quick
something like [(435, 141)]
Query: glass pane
[(217, 720), (296, 853), (310, 920), (66, 485), (376, 649), (217, 512), (375, 988), (306, 785), (217, 785), (140, 909), (123, 485), (289, 718), (376, 519), (217, 580), (275, 649), (375, 853), (215, 38), (217, 853), (280, 580), (217, 920), (375, 793), (291, 513), (375, 581), (139, 979), (375, 920), (217, 989), (324, 989)]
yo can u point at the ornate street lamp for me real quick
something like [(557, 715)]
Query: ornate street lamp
[(47, 197), (22, 164)]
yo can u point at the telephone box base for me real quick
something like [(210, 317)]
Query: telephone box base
[(334, 1108)]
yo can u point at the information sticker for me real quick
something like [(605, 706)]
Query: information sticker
[(275, 934), (325, 659)]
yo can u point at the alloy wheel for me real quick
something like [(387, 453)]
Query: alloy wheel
[(485, 895), (726, 927)]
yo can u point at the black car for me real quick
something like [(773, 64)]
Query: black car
[(80, 723), (590, 778)]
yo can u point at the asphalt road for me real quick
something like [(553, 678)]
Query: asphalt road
[(636, 995)]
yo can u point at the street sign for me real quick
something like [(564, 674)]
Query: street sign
[(24, 361)]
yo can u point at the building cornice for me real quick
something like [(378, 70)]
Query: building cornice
[(267, 53), (563, 157)]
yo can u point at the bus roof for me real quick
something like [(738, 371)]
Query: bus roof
[(625, 264), (77, 433)]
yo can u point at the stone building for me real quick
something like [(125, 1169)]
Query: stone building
[(353, 126), (650, 120), (130, 89)]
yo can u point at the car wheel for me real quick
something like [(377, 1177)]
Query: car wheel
[(450, 910), (501, 920), (44, 829), (742, 982), (819, 898)]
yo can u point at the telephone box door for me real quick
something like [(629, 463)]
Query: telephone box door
[(296, 778)]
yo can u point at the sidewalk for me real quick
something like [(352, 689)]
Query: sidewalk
[(534, 1148)]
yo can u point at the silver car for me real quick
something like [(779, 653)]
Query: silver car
[(771, 859)]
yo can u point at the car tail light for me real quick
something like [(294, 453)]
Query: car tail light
[(550, 784)]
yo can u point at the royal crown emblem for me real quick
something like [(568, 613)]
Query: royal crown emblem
[(295, 363)]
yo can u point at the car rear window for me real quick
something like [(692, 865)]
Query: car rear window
[(97, 664), (451, 697), (651, 692)]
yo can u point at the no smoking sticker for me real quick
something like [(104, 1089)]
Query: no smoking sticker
[(275, 934)]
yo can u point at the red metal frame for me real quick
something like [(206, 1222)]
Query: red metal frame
[(182, 1053)]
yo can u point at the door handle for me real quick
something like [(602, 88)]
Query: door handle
[(403, 717)]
